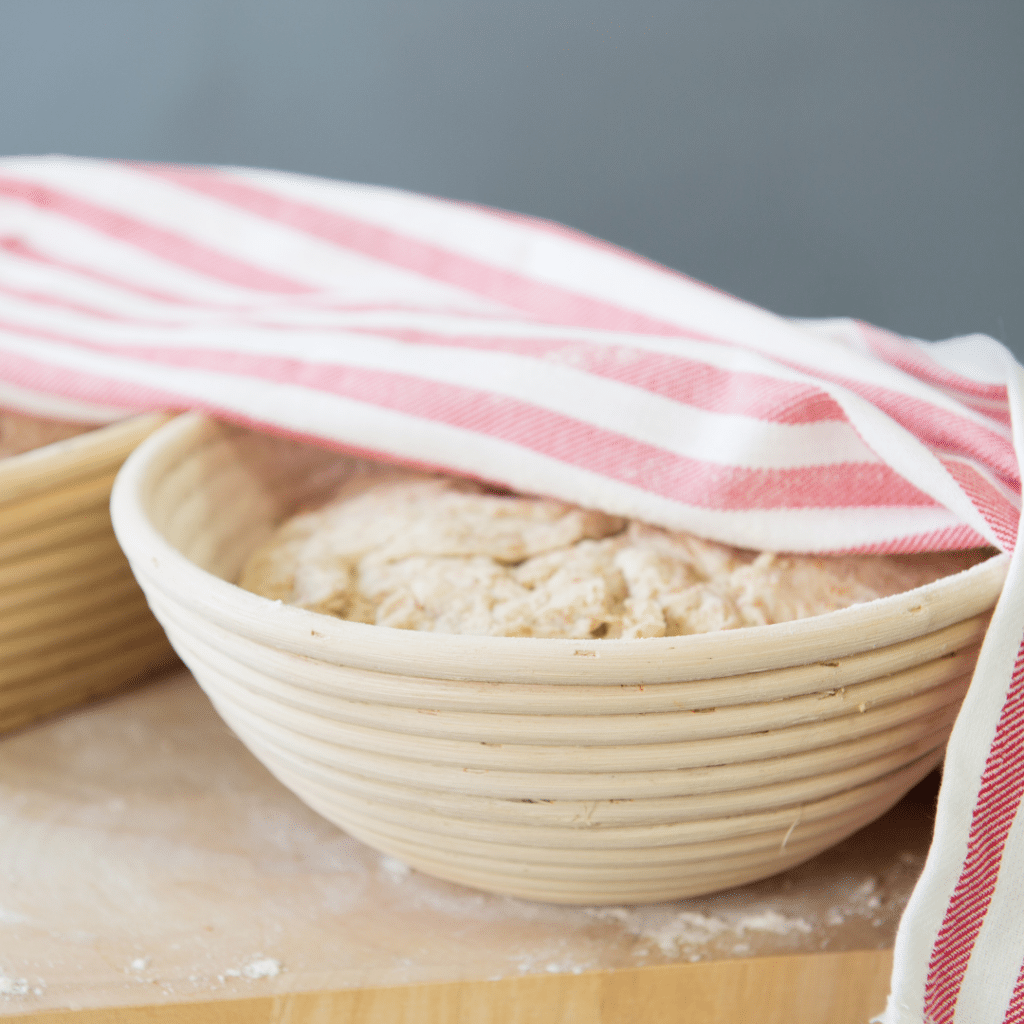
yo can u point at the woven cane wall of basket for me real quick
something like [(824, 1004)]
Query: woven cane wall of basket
[(74, 624), (596, 771)]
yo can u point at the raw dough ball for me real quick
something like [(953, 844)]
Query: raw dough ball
[(449, 555)]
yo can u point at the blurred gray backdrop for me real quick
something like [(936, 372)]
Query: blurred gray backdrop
[(816, 157)]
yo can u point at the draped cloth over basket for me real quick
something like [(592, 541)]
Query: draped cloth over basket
[(524, 353)]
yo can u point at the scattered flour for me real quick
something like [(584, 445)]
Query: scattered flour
[(264, 967), (556, 968), (534, 964), (13, 986), (395, 869), (690, 931), (21, 986), (865, 899), (685, 929), (771, 921), (140, 963), (609, 913), (256, 968)]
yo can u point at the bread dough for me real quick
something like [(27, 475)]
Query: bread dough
[(452, 556)]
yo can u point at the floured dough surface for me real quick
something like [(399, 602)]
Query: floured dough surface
[(20, 433), (450, 556)]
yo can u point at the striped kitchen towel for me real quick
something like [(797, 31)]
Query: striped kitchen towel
[(524, 353)]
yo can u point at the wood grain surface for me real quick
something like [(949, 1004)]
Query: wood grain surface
[(825, 988), (148, 863)]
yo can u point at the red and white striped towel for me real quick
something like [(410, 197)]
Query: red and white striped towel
[(522, 352)]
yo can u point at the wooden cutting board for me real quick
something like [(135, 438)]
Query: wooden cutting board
[(152, 870), (830, 988)]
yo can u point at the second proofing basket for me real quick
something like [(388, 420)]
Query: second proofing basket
[(573, 771), (74, 625)]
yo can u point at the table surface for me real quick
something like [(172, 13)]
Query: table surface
[(148, 860)]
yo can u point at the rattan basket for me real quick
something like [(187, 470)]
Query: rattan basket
[(598, 771), (73, 623)]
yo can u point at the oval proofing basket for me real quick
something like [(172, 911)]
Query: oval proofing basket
[(596, 771), (73, 623)]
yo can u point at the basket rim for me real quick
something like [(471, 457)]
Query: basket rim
[(858, 628), (53, 466)]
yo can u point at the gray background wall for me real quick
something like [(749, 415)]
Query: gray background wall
[(819, 158)]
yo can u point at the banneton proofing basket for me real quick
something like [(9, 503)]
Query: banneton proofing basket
[(73, 623), (574, 771)]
